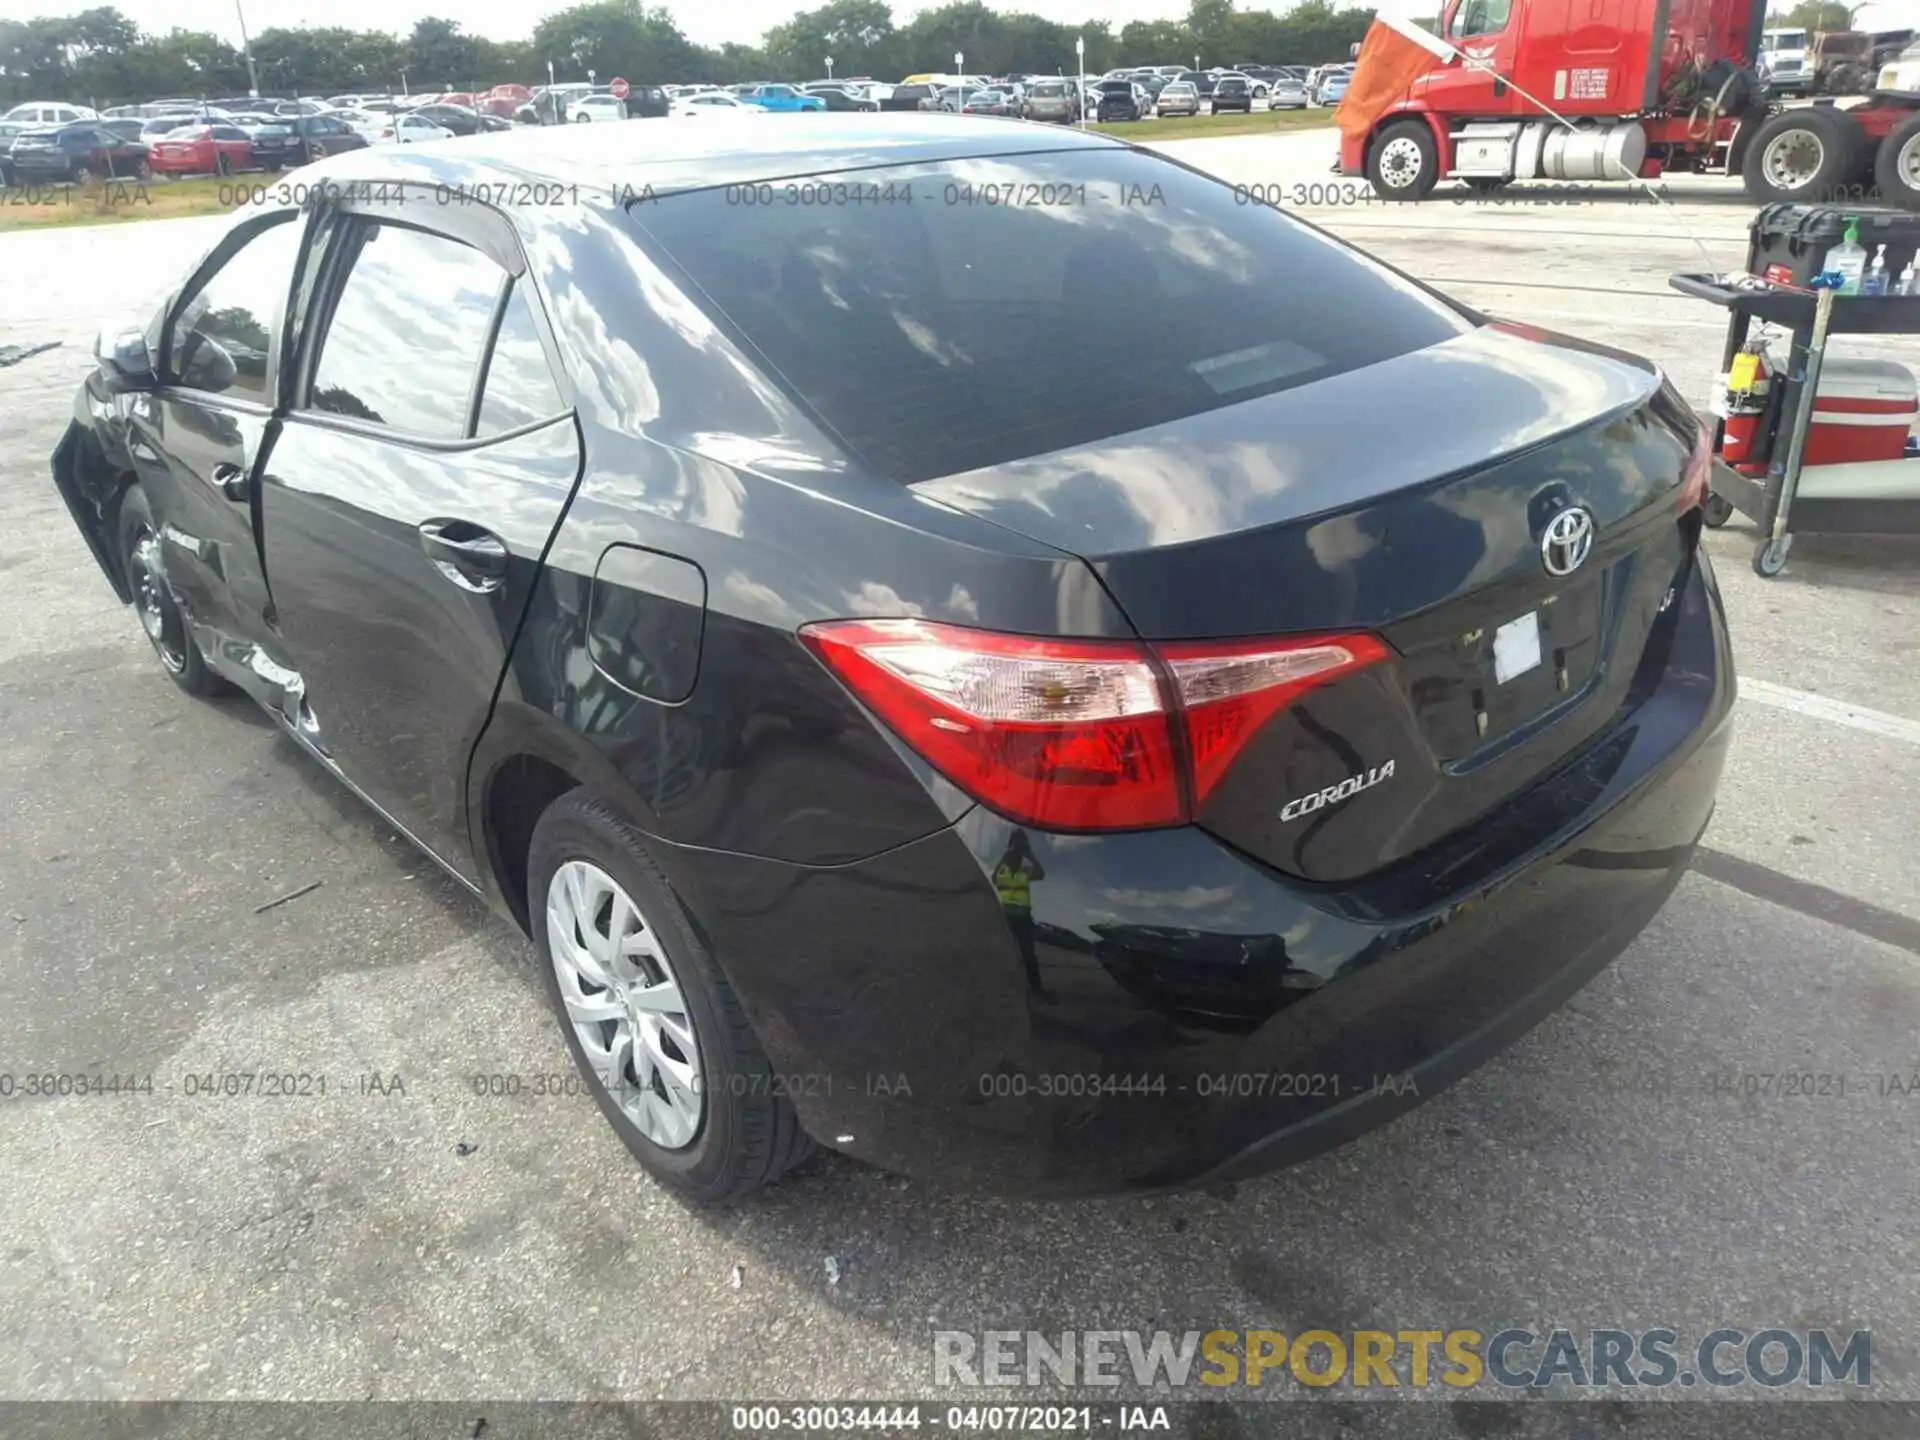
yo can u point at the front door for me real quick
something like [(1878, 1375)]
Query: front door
[(1485, 32), (421, 471), (196, 440)]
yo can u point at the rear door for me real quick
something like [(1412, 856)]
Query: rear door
[(423, 466)]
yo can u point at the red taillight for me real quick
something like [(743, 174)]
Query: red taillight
[(1693, 480), (1229, 689), (1077, 734)]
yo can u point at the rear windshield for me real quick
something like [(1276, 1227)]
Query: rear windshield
[(1023, 304), (1047, 91)]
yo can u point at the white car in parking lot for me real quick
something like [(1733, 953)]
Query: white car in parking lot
[(408, 130), (597, 107), (710, 102)]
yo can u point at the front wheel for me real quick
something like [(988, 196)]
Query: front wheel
[(1404, 163), (652, 1023), (155, 603)]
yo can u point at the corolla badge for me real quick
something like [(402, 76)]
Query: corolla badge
[(1567, 541), (1334, 794)]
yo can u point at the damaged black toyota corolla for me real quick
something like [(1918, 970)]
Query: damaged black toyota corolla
[(902, 720)]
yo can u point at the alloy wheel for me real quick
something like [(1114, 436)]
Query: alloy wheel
[(1906, 164), (625, 1004), (1400, 162), (1793, 159), (159, 612)]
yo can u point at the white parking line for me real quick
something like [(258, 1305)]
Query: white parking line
[(1819, 707)]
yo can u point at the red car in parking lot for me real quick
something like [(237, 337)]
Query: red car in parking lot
[(202, 150)]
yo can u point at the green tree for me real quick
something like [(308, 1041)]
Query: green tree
[(1811, 15), (613, 37), (858, 34)]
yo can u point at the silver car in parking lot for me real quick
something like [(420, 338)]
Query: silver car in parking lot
[(1286, 93), (1177, 97), (1056, 100)]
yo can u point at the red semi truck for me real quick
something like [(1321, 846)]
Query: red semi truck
[(1650, 86)]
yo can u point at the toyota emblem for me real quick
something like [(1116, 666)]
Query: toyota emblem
[(1568, 541)]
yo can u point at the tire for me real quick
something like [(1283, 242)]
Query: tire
[(160, 616), (746, 1134), (1896, 165), (1770, 557), (582, 119), (1403, 163), (1485, 184), (1807, 154)]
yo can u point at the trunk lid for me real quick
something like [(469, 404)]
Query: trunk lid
[(1410, 499)]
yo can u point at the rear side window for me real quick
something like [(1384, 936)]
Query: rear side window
[(954, 332), (519, 386), (407, 334)]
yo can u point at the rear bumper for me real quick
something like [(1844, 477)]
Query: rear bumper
[(1172, 1012)]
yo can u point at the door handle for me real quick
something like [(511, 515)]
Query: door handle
[(230, 481), (472, 558)]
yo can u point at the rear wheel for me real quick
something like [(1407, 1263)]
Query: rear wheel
[(647, 1013), (155, 603), (1485, 184), (1896, 165), (1807, 153), (1404, 163)]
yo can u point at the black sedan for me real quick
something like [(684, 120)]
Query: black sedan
[(1233, 92), (458, 118), (73, 151), (888, 734), (838, 99), (1115, 100), (314, 137)]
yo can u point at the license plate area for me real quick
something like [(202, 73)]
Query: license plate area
[(1473, 686)]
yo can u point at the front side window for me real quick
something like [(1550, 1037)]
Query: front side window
[(221, 337), (1479, 17), (404, 343), (938, 336)]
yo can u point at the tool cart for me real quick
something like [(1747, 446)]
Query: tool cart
[(1804, 441)]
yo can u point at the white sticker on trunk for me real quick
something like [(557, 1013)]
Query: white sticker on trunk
[(1516, 647)]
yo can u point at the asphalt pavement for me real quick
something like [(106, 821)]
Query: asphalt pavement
[(404, 1236)]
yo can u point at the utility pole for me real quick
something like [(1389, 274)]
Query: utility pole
[(246, 48)]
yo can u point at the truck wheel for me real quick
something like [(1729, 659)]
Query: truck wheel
[(1896, 165), (1805, 153), (1404, 163)]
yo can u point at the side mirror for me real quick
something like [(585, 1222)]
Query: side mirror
[(121, 358)]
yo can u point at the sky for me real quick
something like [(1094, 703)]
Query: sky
[(705, 22)]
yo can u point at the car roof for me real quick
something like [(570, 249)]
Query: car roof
[(669, 155)]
